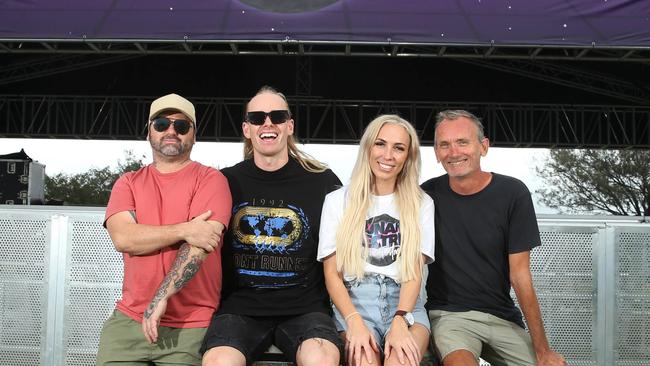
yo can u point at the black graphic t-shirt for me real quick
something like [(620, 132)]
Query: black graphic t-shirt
[(269, 250)]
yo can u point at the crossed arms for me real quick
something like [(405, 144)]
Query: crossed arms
[(200, 236)]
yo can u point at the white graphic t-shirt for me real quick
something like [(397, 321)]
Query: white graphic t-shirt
[(382, 230)]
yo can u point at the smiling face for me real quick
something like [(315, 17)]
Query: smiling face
[(168, 143), (458, 148), (388, 154), (269, 140)]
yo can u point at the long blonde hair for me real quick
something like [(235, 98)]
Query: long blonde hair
[(307, 161), (350, 256)]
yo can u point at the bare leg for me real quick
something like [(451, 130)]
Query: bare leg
[(460, 358), (223, 356), (317, 352)]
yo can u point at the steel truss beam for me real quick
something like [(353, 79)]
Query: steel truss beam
[(326, 48), (303, 75), (330, 121)]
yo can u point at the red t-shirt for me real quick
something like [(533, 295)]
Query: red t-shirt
[(165, 199)]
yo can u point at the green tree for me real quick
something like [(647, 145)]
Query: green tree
[(91, 188), (615, 182)]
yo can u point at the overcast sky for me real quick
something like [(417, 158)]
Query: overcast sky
[(76, 156)]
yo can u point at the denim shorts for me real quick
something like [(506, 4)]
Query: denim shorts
[(252, 335), (376, 298)]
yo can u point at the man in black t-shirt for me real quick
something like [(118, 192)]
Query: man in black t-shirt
[(485, 228), (273, 286)]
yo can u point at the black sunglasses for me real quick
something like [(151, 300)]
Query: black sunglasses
[(258, 117), (181, 126)]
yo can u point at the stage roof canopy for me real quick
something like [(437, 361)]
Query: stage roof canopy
[(620, 28), (530, 67)]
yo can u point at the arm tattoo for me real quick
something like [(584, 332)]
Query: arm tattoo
[(188, 273), (183, 269)]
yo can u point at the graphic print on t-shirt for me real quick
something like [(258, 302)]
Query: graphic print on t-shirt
[(266, 242), (383, 237)]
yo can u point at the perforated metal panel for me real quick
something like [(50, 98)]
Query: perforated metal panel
[(563, 269), (24, 257), (633, 297), (93, 283), (565, 281)]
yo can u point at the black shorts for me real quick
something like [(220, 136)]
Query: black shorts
[(254, 335)]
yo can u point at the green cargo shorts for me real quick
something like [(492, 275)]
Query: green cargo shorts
[(496, 340), (122, 342)]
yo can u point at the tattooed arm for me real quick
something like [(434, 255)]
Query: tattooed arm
[(187, 263), (134, 238)]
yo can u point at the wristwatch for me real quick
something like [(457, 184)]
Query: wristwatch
[(408, 317)]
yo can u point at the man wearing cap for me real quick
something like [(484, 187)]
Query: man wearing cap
[(171, 211)]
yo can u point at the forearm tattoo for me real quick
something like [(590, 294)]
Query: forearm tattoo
[(183, 269)]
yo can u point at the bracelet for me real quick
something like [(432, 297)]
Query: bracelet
[(351, 315)]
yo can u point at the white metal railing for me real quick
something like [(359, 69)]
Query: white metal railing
[(60, 277)]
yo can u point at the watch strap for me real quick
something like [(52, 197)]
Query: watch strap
[(407, 316)]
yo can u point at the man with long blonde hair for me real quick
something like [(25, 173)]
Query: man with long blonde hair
[(274, 292)]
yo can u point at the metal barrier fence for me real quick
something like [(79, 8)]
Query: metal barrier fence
[(60, 277)]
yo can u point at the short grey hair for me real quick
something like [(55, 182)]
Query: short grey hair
[(453, 114)]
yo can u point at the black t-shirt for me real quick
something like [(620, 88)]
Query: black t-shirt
[(474, 236), (269, 250)]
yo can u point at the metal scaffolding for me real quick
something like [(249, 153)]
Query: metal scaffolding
[(290, 47), (330, 121)]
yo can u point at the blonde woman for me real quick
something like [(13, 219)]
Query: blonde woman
[(376, 235)]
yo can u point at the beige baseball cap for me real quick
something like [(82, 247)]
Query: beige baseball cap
[(173, 102)]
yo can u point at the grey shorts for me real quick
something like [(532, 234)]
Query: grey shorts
[(496, 340), (253, 335)]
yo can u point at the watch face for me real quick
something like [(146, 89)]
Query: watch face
[(410, 320)]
